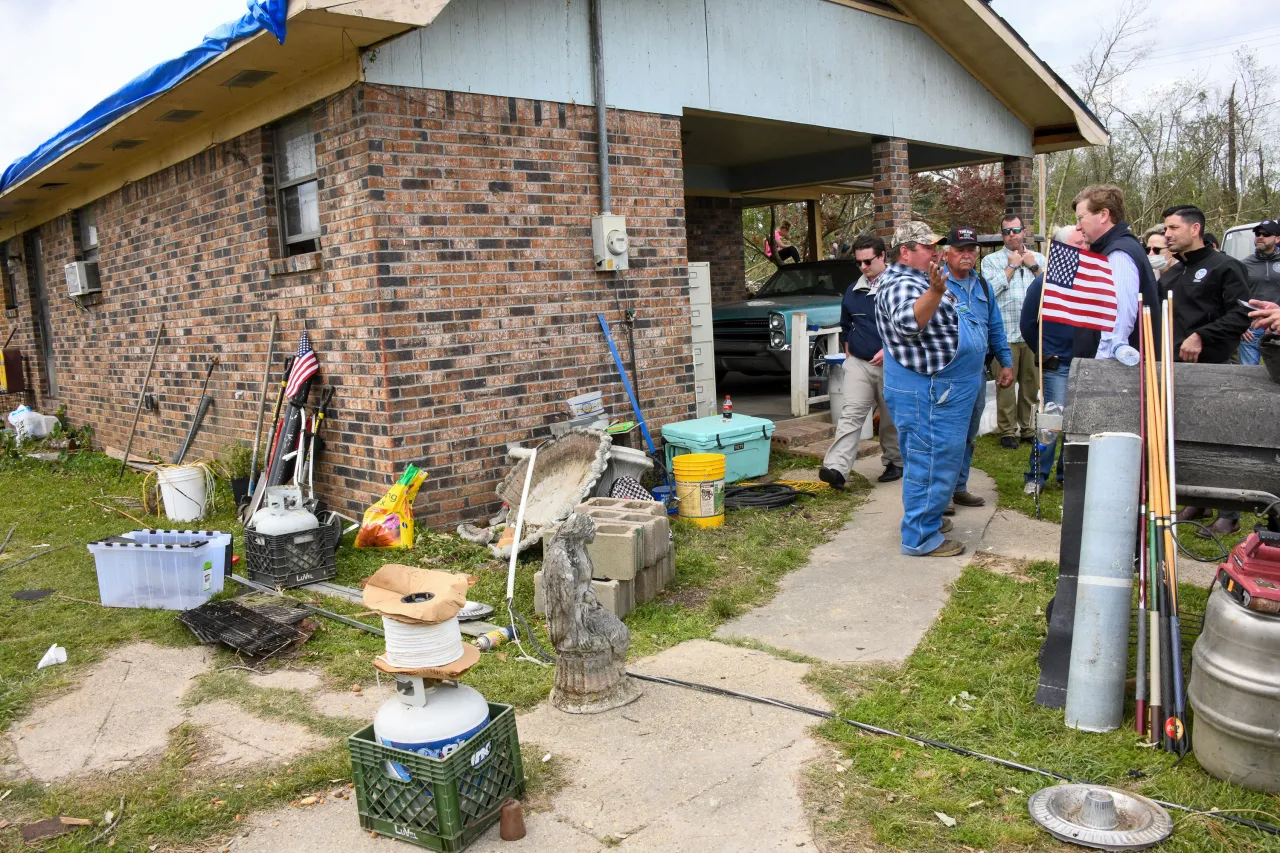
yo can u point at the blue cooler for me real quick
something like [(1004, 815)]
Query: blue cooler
[(742, 439)]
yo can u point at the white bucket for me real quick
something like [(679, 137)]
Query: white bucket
[(183, 492)]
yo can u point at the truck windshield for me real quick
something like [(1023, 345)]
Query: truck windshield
[(1238, 244), (810, 281)]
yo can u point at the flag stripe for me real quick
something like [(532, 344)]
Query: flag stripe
[(1078, 289)]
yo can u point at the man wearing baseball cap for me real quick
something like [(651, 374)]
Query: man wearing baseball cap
[(933, 354), (1263, 267), (976, 296)]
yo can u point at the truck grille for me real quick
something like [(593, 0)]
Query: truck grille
[(741, 330)]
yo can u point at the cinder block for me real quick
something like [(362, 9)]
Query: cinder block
[(654, 544), (668, 565), (618, 597), (623, 505), (617, 552), (648, 583)]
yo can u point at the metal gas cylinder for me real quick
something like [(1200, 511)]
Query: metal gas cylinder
[(431, 721), (283, 513), (1235, 693)]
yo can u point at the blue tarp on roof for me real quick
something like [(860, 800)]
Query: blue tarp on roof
[(266, 15)]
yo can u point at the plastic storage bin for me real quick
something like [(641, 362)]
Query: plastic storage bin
[(447, 802), (162, 569), (293, 559), (742, 439), (590, 404)]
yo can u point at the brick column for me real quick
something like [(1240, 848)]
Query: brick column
[(891, 180), (1019, 189), (713, 232)]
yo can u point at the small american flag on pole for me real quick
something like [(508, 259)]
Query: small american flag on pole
[(1078, 288), (305, 366)]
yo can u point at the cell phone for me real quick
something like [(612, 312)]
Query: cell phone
[(1247, 305)]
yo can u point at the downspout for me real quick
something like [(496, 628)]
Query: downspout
[(602, 126)]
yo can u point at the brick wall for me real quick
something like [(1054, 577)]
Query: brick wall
[(1019, 189), (489, 281), (714, 227), (453, 303), (891, 186)]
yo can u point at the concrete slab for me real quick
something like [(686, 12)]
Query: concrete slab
[(121, 713), (344, 703), (287, 679), (1012, 534), (858, 599), (239, 739)]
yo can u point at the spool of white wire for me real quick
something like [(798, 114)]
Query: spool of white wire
[(418, 646)]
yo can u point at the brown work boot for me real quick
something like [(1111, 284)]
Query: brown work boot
[(1191, 513), (950, 510), (1221, 527), (946, 526), (967, 498), (948, 548)]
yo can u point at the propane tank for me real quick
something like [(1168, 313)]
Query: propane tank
[(283, 513), (431, 721)]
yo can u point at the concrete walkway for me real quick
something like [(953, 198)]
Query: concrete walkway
[(859, 600)]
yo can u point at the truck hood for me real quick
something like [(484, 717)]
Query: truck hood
[(761, 307)]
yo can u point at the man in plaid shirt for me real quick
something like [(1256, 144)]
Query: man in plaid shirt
[(933, 358), (1010, 272)]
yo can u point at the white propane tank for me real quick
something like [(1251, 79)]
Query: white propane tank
[(283, 513), (430, 721)]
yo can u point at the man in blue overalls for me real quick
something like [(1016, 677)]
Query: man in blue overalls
[(934, 352), (976, 296)]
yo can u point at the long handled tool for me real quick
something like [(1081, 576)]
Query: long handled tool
[(201, 408), (260, 492), (311, 503), (262, 404), (1176, 727), (137, 412), (1140, 680), (1155, 692)]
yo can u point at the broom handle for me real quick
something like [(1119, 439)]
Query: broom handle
[(262, 401), (137, 412)]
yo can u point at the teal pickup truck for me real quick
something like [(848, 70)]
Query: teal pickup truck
[(754, 336)]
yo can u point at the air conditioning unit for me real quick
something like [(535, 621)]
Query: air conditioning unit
[(82, 278)]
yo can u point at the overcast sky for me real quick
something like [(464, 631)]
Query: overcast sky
[(60, 57)]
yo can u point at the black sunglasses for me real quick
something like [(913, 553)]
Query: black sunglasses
[(1012, 230), (866, 263), (1152, 250)]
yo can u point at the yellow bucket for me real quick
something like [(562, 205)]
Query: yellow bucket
[(700, 487)]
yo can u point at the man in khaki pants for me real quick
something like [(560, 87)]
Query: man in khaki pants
[(1010, 272), (863, 373)]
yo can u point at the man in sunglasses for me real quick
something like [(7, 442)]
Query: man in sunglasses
[(1263, 267), (863, 373), (1010, 271)]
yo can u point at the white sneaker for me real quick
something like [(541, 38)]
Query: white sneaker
[(1030, 488)]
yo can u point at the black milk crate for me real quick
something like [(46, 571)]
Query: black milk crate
[(293, 559), (447, 802)]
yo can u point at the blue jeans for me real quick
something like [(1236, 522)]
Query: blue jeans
[(1249, 353), (971, 440), (932, 414), (1055, 391)]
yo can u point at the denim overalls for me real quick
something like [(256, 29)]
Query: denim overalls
[(932, 415)]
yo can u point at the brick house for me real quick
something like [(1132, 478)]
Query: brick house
[(413, 183)]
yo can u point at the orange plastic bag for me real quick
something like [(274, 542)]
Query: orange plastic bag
[(389, 522)]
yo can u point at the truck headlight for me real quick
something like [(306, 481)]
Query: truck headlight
[(777, 340), (776, 322)]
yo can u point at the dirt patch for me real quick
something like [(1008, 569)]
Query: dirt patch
[(826, 789), (287, 679), (236, 739), (1010, 566), (361, 706), (121, 713)]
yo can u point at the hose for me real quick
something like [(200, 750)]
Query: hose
[(1270, 828), (772, 496)]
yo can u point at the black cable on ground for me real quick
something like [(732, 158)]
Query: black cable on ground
[(771, 496), (1225, 552), (1270, 828)]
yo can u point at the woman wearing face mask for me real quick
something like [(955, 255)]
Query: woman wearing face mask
[(1157, 249)]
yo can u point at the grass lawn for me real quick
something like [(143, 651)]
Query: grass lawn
[(984, 645), (719, 573)]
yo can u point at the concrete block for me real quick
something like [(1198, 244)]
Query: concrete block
[(622, 505), (617, 552), (648, 583), (668, 565), (651, 529), (618, 597)]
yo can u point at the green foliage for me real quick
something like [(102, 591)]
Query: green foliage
[(237, 459)]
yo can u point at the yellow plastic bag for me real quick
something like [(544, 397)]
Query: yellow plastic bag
[(389, 522)]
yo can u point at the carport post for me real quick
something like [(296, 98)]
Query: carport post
[(799, 364)]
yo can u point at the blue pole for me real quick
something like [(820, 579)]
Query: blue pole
[(626, 383)]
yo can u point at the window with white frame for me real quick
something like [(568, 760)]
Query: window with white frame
[(87, 224), (296, 184)]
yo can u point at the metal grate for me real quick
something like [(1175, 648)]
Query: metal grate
[(239, 627)]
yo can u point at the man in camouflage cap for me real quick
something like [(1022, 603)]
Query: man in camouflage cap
[(933, 358)]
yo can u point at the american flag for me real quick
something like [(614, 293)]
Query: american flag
[(305, 366), (1078, 288)]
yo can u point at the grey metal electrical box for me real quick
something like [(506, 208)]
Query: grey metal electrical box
[(609, 242)]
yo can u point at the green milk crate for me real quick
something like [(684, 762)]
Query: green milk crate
[(447, 802)]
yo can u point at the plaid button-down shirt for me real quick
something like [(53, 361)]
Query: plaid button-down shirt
[(926, 350), (1010, 292)]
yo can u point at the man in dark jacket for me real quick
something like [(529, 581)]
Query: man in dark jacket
[(1263, 268), (1208, 319), (1100, 217), (1207, 289)]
